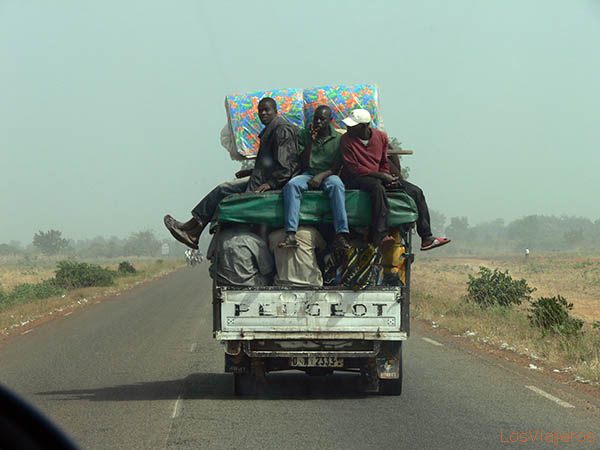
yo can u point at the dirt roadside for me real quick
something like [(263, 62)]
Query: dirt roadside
[(514, 362), (55, 308)]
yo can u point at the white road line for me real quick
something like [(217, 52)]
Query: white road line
[(193, 347), (550, 397), (28, 331), (431, 341), (69, 313), (176, 408)]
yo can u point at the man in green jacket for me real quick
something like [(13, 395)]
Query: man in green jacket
[(321, 161)]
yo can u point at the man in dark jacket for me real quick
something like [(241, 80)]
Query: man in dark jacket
[(276, 162)]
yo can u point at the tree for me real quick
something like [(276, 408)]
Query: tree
[(50, 242), (437, 222), (142, 243), (458, 228), (395, 144), (12, 248)]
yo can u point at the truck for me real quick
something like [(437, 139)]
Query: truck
[(317, 330)]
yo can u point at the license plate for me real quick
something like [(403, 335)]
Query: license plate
[(316, 361)]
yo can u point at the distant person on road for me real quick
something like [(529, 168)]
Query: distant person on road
[(240, 257), (320, 164), (276, 162), (365, 167)]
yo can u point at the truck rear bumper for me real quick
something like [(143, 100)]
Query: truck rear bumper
[(321, 335)]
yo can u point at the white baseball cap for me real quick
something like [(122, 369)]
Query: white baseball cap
[(357, 116)]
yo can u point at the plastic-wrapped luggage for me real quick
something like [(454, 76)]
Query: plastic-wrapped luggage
[(297, 106), (242, 115), (342, 99)]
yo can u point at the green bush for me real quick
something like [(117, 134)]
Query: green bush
[(30, 291), (497, 288), (126, 268), (552, 314), (71, 274)]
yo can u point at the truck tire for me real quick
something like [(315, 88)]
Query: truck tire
[(244, 384), (394, 386), (247, 385)]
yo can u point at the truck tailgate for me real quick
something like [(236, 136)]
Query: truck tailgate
[(252, 314)]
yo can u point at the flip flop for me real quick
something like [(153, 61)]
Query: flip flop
[(177, 233), (437, 242)]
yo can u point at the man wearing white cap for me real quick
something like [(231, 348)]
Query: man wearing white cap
[(365, 167)]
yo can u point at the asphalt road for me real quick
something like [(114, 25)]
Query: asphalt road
[(142, 371)]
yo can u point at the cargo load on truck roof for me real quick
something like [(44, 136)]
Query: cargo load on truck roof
[(298, 107)]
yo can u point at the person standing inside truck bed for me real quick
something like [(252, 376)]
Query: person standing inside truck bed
[(320, 162), (365, 167), (276, 163)]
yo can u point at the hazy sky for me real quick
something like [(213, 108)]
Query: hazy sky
[(110, 111)]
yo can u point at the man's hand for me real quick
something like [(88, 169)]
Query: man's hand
[(243, 173), (263, 188), (387, 178), (315, 182)]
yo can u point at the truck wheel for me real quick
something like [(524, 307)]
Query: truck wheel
[(247, 384), (390, 387), (244, 384), (394, 386)]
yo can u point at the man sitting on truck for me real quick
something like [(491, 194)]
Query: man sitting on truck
[(365, 167), (320, 163), (276, 163)]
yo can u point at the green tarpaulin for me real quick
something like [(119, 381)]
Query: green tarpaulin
[(267, 208)]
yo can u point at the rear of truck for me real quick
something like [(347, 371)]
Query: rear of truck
[(319, 330), (315, 330)]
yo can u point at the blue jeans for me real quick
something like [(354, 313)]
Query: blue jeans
[(332, 186)]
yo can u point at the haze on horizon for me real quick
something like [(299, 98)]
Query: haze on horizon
[(110, 112)]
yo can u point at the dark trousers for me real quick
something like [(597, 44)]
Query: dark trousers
[(379, 203), (380, 207), (207, 207), (423, 221)]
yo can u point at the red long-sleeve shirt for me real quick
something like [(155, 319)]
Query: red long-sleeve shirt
[(361, 160)]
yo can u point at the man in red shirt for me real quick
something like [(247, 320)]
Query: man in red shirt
[(365, 159)]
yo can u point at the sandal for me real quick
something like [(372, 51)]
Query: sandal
[(436, 242)]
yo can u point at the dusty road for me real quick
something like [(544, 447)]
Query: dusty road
[(142, 371)]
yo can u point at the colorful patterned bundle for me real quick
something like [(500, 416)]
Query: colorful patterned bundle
[(298, 106), (342, 99), (242, 115)]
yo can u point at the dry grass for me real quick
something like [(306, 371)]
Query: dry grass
[(23, 313), (439, 285), (11, 276)]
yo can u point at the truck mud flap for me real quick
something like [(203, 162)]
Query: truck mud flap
[(389, 361)]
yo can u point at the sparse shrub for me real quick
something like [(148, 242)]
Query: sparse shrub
[(71, 274), (31, 291), (126, 268), (552, 314), (490, 288)]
